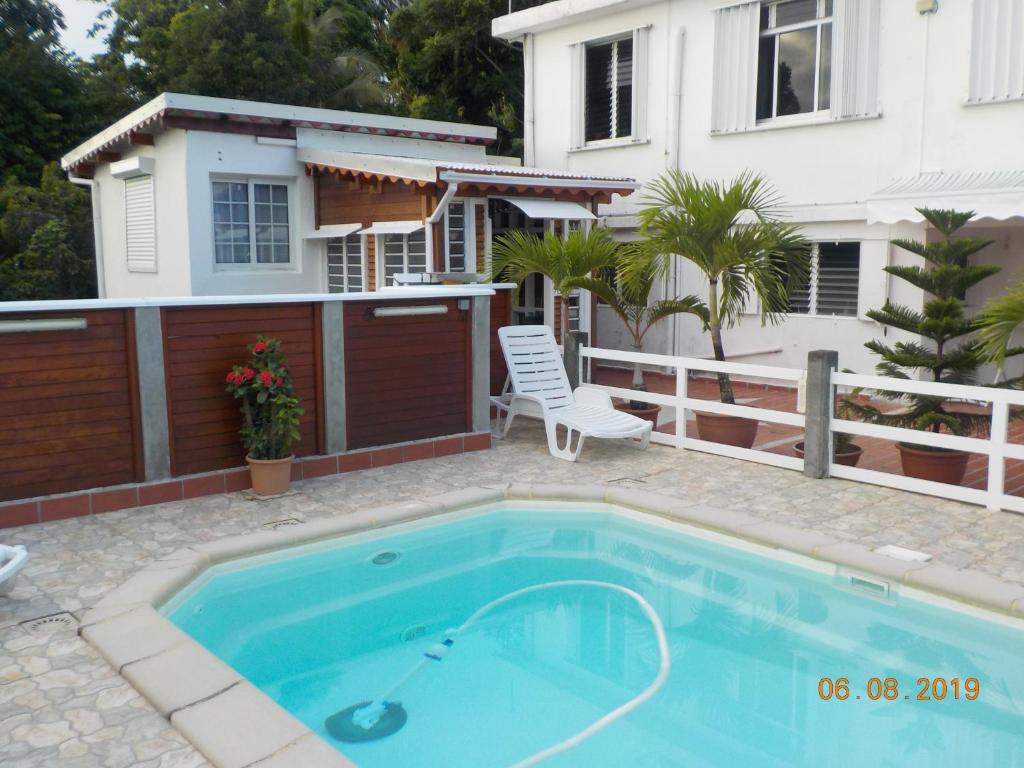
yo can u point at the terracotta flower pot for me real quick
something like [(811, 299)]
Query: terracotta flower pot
[(938, 466), (848, 458), (728, 430), (270, 477), (650, 412)]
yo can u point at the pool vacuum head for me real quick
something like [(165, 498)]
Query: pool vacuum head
[(342, 726)]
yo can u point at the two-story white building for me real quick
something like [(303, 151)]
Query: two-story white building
[(858, 111)]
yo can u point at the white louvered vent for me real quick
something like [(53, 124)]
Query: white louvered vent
[(140, 224), (997, 51)]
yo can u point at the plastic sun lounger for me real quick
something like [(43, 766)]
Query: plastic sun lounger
[(12, 560), (540, 389)]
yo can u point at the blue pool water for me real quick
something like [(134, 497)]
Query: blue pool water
[(750, 638)]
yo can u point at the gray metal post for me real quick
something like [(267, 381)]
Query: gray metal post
[(333, 325), (571, 356), (481, 358), (149, 354), (820, 400)]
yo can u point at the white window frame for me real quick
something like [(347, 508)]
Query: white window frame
[(365, 272), (818, 112), (638, 108), (812, 290), (253, 265), (378, 253), (468, 235)]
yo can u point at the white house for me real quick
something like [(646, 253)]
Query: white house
[(858, 111), (195, 195)]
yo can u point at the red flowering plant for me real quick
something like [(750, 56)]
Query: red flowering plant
[(270, 410)]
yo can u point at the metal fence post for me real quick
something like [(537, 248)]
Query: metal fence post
[(820, 407), (571, 356)]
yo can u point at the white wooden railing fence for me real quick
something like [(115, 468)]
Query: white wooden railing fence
[(682, 403), (995, 447)]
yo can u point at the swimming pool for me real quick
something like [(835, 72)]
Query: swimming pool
[(751, 638)]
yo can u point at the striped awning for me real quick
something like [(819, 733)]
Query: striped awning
[(991, 195)]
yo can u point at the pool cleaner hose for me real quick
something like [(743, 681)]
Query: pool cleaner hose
[(382, 717)]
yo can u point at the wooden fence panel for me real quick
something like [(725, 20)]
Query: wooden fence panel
[(69, 406), (201, 345), (406, 378)]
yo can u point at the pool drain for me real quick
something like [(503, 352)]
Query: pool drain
[(385, 558)]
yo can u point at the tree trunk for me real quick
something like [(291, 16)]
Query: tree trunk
[(563, 314), (715, 327)]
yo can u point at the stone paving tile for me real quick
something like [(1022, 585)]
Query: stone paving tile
[(61, 705)]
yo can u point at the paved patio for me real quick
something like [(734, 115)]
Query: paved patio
[(62, 705)]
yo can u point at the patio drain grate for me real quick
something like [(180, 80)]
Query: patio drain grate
[(286, 523), (627, 481), (48, 625)]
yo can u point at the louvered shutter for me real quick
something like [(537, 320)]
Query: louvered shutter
[(641, 77), (734, 94), (855, 58), (140, 224), (577, 53), (997, 51)]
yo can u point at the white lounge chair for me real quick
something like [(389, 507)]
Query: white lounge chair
[(12, 560), (540, 389)]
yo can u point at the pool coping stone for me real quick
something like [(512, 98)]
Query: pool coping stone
[(235, 725)]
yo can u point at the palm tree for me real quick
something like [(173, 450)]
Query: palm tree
[(733, 234), (516, 255), (998, 321), (629, 299)]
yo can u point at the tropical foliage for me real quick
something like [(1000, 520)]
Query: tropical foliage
[(952, 353), (734, 235), (568, 262), (997, 323), (270, 410), (630, 300)]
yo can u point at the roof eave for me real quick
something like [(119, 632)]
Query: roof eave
[(560, 13)]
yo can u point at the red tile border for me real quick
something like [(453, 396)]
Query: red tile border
[(19, 514), (418, 451), (204, 485), (64, 507), (479, 442), (236, 480), (352, 462), (228, 481), (447, 446), (383, 457), (111, 501), (158, 493), (319, 467)]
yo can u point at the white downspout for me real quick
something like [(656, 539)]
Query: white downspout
[(97, 231), (529, 138), (674, 153)]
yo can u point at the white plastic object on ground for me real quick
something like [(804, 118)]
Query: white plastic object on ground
[(12, 560)]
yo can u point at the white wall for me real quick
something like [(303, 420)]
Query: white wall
[(824, 171), (172, 277)]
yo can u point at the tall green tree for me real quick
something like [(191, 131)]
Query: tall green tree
[(447, 65), (46, 240)]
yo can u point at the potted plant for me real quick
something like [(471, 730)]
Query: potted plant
[(945, 277), (270, 415), (733, 235), (629, 300), (517, 255)]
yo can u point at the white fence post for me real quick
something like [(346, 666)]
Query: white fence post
[(681, 374), (997, 458)]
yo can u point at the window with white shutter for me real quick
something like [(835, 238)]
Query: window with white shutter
[(140, 224), (833, 286), (997, 51), (609, 89)]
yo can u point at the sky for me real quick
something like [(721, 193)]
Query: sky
[(79, 16)]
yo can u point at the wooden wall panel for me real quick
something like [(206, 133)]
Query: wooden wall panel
[(69, 406), (201, 345), (501, 315), (406, 378)]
